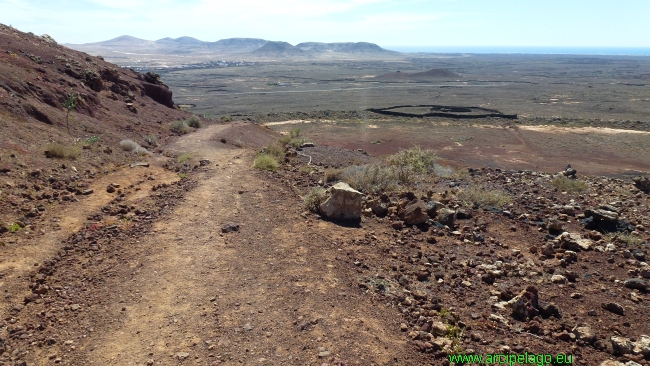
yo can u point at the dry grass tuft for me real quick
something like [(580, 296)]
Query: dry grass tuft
[(58, 150), (484, 197), (313, 199), (266, 161), (372, 178), (563, 184)]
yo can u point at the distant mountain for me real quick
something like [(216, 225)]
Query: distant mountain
[(278, 49), (124, 48), (343, 47), (239, 43), (122, 41), (419, 76), (180, 41)]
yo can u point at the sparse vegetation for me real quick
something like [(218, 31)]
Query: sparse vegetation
[(238, 143), (371, 178), (194, 122), (128, 145), (566, 184), (226, 118), (627, 238), (180, 127), (333, 175), (412, 161), (14, 227), (484, 197), (266, 161), (69, 105), (151, 139), (314, 197), (92, 140), (61, 151), (184, 157), (182, 175)]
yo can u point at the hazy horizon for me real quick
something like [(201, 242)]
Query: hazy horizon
[(411, 23)]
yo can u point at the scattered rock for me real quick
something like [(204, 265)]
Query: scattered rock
[(344, 203), (230, 227), (614, 308), (446, 217), (621, 345), (642, 183), (414, 213), (637, 284), (182, 356), (525, 305)]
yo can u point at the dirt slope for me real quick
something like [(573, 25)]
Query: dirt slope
[(180, 291)]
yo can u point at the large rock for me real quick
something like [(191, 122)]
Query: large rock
[(575, 242), (414, 213), (446, 217), (344, 203), (584, 333), (642, 346), (525, 305), (642, 183), (159, 93)]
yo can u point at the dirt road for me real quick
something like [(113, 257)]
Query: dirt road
[(184, 293)]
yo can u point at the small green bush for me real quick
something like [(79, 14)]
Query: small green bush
[(61, 151), (275, 149), (92, 140), (184, 157), (484, 197), (180, 127), (314, 198), (266, 161), (151, 139), (14, 228), (194, 122), (567, 184), (415, 159)]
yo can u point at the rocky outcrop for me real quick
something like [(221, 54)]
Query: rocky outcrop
[(344, 203), (159, 93)]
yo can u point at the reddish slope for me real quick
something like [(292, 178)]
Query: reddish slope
[(36, 76)]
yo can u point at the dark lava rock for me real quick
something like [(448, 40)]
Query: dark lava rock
[(229, 227), (414, 213), (549, 309), (637, 284), (614, 308), (642, 183)]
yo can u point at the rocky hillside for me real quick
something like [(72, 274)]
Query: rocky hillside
[(41, 151)]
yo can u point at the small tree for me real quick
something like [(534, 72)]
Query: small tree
[(69, 105)]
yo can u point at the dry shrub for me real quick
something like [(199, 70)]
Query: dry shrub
[(129, 145), (569, 185), (275, 149), (194, 122), (266, 161), (61, 151), (333, 175), (180, 127), (484, 197), (371, 178), (238, 143), (313, 199), (415, 159)]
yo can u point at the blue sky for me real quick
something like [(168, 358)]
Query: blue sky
[(539, 23)]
